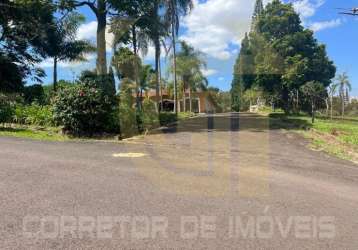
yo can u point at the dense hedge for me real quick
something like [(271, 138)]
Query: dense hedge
[(6, 113), (84, 109), (167, 118)]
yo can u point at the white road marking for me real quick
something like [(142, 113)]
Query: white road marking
[(129, 155)]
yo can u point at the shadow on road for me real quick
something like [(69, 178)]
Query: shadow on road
[(234, 122)]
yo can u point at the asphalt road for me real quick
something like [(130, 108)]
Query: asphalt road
[(214, 182)]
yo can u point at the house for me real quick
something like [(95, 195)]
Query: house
[(202, 101)]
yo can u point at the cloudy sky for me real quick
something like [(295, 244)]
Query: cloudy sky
[(216, 27)]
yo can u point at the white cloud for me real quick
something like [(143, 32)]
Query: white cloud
[(88, 31), (307, 8), (221, 79), (209, 72), (150, 56), (48, 63), (318, 26), (216, 26)]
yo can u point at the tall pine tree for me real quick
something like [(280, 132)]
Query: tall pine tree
[(243, 73), (258, 9), (279, 56), (244, 68)]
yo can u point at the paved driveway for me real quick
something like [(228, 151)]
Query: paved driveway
[(213, 182)]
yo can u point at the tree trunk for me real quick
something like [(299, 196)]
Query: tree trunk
[(297, 102), (161, 87), (332, 107), (174, 67), (343, 104), (135, 51), (55, 74), (157, 71), (184, 97), (190, 101), (327, 107), (134, 39), (285, 97), (313, 111), (101, 38)]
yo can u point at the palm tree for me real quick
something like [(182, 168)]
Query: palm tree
[(189, 65), (63, 46), (344, 86), (125, 63), (157, 30), (332, 89), (199, 81), (175, 9), (146, 74), (131, 27)]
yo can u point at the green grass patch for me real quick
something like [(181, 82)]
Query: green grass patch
[(185, 115), (54, 134), (338, 136), (48, 134), (167, 118), (345, 131)]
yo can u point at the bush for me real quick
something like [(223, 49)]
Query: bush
[(49, 92), (34, 93), (83, 109), (166, 118), (128, 120), (7, 107), (113, 123), (150, 116), (6, 113), (105, 82), (34, 114)]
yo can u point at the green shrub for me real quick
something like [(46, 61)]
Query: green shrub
[(166, 118), (83, 109), (105, 82), (113, 124), (128, 120), (150, 116), (7, 107), (6, 113), (33, 114), (34, 93)]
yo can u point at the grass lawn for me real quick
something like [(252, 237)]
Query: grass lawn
[(48, 134), (185, 115), (53, 134), (338, 137)]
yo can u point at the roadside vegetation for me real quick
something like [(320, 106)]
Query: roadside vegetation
[(113, 99), (35, 133), (338, 136)]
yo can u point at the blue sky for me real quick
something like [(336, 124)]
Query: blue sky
[(216, 27)]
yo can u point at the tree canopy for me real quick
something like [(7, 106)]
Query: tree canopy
[(280, 56), (24, 26)]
